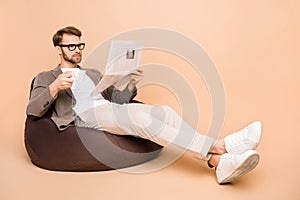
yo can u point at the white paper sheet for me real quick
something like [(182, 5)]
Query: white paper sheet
[(124, 58)]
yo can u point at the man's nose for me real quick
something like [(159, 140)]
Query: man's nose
[(77, 50)]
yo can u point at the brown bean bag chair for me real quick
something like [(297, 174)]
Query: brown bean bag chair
[(83, 149)]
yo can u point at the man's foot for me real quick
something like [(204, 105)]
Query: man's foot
[(243, 140), (231, 166), (218, 147)]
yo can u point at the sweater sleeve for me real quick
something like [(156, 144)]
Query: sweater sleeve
[(112, 93), (40, 98), (119, 96)]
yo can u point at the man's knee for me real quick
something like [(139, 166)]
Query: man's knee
[(148, 124), (168, 109), (161, 110), (142, 119)]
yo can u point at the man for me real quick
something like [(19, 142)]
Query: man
[(111, 111)]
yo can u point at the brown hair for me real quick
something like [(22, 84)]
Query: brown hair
[(57, 37)]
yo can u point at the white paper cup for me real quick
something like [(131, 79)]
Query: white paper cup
[(74, 71)]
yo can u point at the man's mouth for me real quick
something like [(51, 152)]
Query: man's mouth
[(77, 56)]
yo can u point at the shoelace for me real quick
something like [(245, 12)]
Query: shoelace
[(239, 136)]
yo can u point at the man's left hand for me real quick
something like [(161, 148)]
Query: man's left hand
[(135, 78)]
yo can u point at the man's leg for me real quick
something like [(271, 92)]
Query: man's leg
[(159, 124)]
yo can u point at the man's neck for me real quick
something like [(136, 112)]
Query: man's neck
[(67, 65)]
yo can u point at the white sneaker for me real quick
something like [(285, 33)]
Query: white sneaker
[(243, 140), (232, 166)]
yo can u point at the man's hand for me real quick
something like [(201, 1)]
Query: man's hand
[(135, 78), (63, 81)]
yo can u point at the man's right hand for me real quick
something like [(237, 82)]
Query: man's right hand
[(63, 81)]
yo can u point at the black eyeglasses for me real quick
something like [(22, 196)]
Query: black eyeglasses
[(72, 47)]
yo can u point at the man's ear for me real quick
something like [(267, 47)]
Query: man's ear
[(58, 50)]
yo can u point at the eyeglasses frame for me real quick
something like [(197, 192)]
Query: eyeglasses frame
[(76, 46)]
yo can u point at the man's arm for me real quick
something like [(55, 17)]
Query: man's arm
[(117, 96), (126, 95), (40, 96), (44, 92)]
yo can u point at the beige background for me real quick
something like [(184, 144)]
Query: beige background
[(255, 46)]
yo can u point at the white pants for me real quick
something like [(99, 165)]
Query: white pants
[(160, 124)]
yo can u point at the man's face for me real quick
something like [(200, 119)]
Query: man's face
[(75, 56)]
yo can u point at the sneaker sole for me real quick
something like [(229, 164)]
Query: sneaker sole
[(249, 163)]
